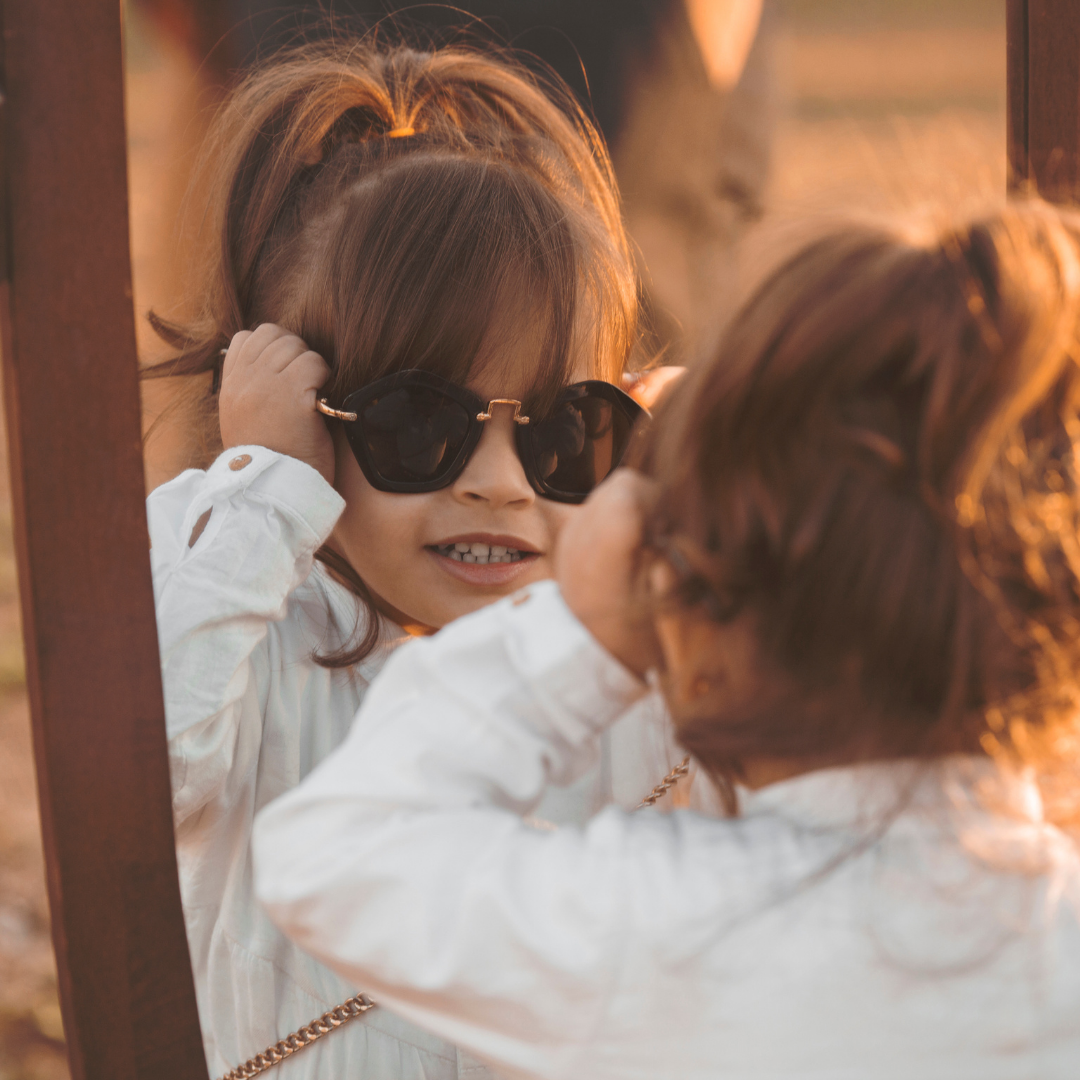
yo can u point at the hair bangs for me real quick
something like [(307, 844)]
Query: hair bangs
[(442, 262)]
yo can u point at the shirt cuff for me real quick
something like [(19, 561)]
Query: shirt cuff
[(583, 687), (284, 482)]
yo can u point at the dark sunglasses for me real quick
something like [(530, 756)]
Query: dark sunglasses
[(415, 431)]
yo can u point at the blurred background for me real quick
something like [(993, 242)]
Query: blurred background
[(726, 118)]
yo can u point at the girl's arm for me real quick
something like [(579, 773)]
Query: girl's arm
[(228, 546), (403, 860)]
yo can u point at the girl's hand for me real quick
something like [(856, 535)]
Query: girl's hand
[(269, 384), (596, 564)]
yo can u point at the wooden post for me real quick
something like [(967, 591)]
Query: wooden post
[(1044, 97), (93, 673)]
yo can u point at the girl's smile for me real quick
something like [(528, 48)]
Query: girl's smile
[(484, 559)]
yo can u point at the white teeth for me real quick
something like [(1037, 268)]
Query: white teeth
[(481, 554)]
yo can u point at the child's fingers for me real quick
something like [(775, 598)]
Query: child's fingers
[(616, 512), (309, 372), (634, 493), (595, 565), (282, 352), (646, 388), (248, 345), (268, 347), (232, 353)]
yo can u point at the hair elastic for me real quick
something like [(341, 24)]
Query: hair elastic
[(401, 133)]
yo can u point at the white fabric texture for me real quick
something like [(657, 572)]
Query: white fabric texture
[(872, 922), (240, 613)]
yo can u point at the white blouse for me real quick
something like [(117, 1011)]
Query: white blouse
[(869, 922), (241, 609)]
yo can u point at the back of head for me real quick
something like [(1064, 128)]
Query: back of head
[(392, 207), (878, 471)]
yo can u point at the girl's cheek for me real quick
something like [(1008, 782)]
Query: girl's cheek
[(381, 527)]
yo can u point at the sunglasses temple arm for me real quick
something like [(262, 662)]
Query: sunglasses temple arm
[(337, 414)]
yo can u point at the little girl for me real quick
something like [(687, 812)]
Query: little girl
[(864, 594), (423, 296)]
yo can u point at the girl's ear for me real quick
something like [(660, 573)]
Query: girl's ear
[(704, 658)]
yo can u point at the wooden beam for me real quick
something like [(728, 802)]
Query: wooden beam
[(93, 673), (1016, 62), (1044, 97)]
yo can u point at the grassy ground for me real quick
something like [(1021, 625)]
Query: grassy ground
[(890, 104)]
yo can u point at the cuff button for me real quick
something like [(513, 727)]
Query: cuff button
[(240, 462)]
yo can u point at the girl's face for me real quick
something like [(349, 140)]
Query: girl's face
[(397, 543)]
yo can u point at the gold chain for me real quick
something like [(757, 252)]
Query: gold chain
[(666, 784), (305, 1036), (355, 1006)]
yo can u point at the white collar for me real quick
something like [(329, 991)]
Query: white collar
[(865, 795)]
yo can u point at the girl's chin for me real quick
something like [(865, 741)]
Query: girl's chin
[(487, 575)]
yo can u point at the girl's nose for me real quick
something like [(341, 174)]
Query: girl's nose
[(494, 473)]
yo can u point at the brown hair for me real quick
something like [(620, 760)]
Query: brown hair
[(878, 468), (388, 205)]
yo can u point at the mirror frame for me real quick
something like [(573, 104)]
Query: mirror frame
[(1043, 97), (74, 431), (72, 397)]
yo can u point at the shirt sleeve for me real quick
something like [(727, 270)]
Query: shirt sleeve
[(403, 861), (228, 546)]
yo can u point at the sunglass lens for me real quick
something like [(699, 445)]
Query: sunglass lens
[(413, 435), (575, 448)]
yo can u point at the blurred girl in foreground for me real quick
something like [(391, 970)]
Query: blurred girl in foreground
[(858, 571)]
